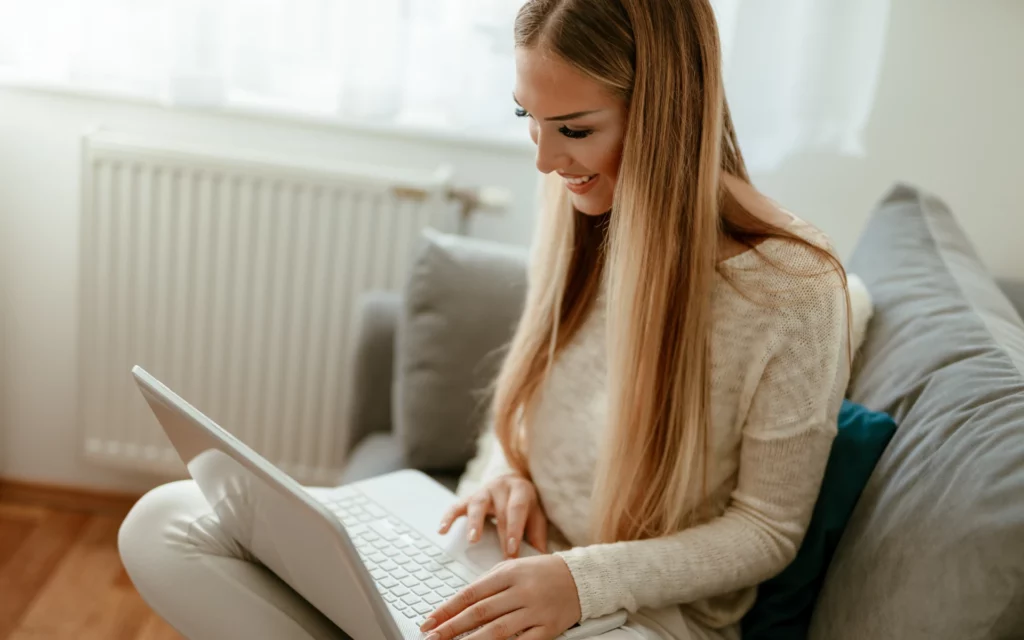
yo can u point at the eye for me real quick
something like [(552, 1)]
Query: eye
[(575, 134), (521, 112)]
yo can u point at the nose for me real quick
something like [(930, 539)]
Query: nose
[(551, 156)]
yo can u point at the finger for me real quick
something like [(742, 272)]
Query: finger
[(521, 498), (453, 513), (499, 500), (478, 508), (535, 633), (483, 613), (537, 528), (504, 627), (482, 588)]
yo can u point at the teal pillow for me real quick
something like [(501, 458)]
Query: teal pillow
[(785, 603)]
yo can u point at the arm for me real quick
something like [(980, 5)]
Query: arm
[(785, 445), (496, 464)]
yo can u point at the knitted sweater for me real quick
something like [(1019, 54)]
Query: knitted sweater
[(779, 373)]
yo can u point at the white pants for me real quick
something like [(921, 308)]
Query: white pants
[(205, 585)]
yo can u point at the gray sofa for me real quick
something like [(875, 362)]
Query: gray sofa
[(935, 547)]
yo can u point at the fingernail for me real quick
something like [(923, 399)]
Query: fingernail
[(428, 624), (440, 527), (472, 535), (511, 546)]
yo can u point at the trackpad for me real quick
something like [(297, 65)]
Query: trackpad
[(480, 556), (485, 553)]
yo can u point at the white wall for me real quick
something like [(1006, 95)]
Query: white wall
[(948, 117)]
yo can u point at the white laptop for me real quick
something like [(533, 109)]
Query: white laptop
[(367, 555)]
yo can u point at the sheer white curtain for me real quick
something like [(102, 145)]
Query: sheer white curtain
[(800, 73)]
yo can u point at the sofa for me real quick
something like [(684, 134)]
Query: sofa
[(935, 546)]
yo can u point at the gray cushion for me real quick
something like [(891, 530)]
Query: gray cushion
[(461, 303), (380, 453), (372, 366), (376, 454), (935, 548)]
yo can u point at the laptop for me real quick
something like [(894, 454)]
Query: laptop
[(367, 555)]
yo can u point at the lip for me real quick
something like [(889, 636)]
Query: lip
[(582, 188)]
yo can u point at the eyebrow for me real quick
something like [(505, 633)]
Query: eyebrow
[(563, 118)]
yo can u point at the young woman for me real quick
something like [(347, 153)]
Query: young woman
[(667, 406)]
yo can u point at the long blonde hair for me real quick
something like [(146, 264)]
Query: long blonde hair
[(660, 246)]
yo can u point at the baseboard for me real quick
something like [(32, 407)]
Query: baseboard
[(66, 498)]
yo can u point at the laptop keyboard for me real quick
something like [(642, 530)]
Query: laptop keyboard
[(411, 573)]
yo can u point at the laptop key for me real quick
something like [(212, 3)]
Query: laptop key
[(410, 598), (423, 575), (433, 582), (420, 590), (390, 597), (445, 591), (410, 581), (389, 582), (422, 608), (388, 566), (399, 591), (383, 529), (433, 598), (356, 531), (378, 574), (410, 613)]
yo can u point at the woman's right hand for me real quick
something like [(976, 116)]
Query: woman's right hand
[(513, 501)]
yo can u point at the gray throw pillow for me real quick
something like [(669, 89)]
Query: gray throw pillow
[(935, 548), (460, 308)]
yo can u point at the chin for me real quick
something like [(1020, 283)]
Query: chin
[(591, 206)]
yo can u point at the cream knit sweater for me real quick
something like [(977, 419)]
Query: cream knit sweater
[(779, 373)]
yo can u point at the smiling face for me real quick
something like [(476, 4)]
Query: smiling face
[(576, 123)]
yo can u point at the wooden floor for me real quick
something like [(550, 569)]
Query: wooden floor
[(60, 575)]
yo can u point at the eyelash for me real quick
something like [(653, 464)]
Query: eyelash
[(573, 134)]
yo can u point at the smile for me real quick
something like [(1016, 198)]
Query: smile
[(580, 184)]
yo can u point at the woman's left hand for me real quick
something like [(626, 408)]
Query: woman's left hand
[(535, 596)]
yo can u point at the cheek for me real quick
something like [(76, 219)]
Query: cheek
[(614, 158), (608, 163)]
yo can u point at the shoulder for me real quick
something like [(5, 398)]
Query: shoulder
[(797, 284)]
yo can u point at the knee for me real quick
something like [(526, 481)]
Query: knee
[(147, 537)]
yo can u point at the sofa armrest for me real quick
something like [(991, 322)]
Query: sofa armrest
[(1014, 290), (370, 376)]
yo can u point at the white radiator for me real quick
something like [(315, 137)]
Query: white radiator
[(235, 282)]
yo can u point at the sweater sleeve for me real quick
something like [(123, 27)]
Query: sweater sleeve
[(787, 436), (496, 464)]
